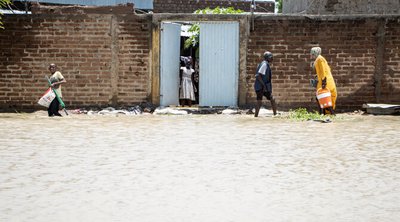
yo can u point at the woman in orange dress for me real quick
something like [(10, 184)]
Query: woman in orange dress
[(324, 71)]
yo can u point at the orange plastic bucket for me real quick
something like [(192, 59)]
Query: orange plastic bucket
[(324, 98)]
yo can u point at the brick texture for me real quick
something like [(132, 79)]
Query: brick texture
[(348, 45), (391, 70), (82, 46), (341, 7), (134, 50), (189, 6), (105, 58)]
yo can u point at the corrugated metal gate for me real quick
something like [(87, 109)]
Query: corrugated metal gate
[(169, 64), (219, 63)]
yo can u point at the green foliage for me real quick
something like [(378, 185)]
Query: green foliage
[(194, 39), (218, 10), (3, 4), (302, 114), (279, 4), (195, 29)]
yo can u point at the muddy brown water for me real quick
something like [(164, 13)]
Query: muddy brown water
[(198, 168)]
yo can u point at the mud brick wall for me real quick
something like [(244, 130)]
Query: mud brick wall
[(342, 6), (134, 39), (103, 57), (390, 78), (189, 6), (363, 54)]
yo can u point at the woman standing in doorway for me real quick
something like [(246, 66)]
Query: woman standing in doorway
[(186, 92)]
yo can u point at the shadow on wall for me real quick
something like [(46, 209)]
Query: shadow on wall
[(353, 99), (390, 88), (366, 94)]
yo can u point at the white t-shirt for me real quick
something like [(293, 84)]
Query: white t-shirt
[(263, 68), (56, 77)]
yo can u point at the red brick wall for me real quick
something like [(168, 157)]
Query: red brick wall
[(391, 73), (88, 53), (348, 45), (341, 7), (106, 58), (134, 40), (189, 6)]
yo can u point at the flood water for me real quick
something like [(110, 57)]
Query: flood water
[(198, 168)]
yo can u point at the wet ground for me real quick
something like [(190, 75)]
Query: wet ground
[(198, 168)]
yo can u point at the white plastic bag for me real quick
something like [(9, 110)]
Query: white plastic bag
[(47, 98)]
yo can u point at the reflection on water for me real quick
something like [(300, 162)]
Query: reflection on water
[(198, 168)]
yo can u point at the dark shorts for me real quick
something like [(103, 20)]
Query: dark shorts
[(260, 94)]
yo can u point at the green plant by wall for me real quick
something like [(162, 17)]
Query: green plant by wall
[(195, 28), (279, 5), (301, 114), (3, 4), (218, 10)]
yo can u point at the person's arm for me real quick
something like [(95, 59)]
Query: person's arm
[(180, 77), (61, 80), (58, 83), (320, 72), (260, 71), (192, 78), (258, 77), (192, 75), (323, 83)]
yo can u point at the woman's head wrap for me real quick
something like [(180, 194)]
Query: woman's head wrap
[(315, 51)]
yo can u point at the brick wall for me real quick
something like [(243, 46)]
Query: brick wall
[(391, 70), (342, 6), (349, 45), (104, 59), (134, 39), (189, 6)]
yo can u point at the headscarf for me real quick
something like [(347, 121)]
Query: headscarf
[(186, 60), (315, 51)]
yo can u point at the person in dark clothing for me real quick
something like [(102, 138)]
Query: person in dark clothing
[(262, 84), (56, 80)]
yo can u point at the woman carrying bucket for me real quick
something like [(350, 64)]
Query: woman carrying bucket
[(324, 73), (324, 98)]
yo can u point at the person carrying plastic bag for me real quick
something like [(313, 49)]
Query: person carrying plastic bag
[(55, 81)]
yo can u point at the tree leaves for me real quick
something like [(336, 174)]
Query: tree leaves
[(195, 28), (3, 3)]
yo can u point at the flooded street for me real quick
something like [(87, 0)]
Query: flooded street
[(198, 168)]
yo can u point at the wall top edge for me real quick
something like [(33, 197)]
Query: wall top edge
[(207, 17)]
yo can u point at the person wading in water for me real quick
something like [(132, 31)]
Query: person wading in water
[(262, 84), (56, 80)]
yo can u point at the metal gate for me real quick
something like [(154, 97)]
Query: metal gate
[(169, 63), (219, 63)]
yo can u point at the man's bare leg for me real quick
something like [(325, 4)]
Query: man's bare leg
[(258, 105), (331, 111), (273, 104)]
